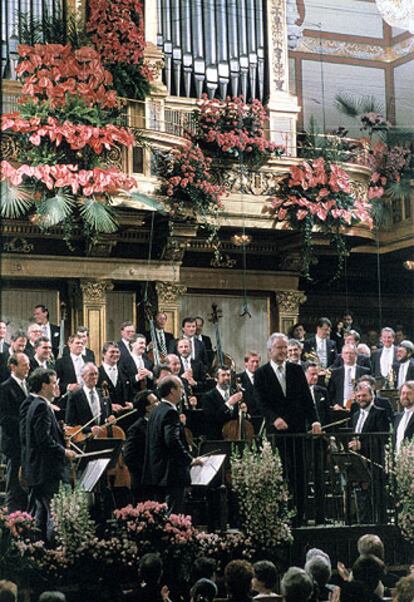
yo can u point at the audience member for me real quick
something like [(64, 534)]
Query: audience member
[(52, 597), (150, 572), (204, 590), (264, 581), (203, 568), (404, 591), (8, 591), (238, 576), (369, 570), (296, 585)]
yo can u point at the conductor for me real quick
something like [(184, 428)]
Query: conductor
[(167, 457)]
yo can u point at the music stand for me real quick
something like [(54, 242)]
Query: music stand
[(102, 445), (354, 468)]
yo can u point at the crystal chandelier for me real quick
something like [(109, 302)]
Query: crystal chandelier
[(397, 13)]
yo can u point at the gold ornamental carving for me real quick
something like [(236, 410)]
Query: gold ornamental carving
[(289, 301), (278, 19), (18, 245), (168, 292), (359, 190), (95, 291)]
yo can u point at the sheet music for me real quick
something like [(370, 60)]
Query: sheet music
[(203, 475), (93, 472)]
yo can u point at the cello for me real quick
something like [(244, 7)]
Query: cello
[(240, 428)]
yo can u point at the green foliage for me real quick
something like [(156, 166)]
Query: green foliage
[(16, 201), (54, 210), (149, 201), (333, 146), (99, 217), (74, 526), (355, 106), (128, 81), (52, 28), (257, 478), (404, 470)]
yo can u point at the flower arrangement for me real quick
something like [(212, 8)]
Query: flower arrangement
[(404, 471), (234, 130), (117, 31), (257, 478), (388, 164), (318, 194), (67, 120)]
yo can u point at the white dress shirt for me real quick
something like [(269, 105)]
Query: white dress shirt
[(186, 362), (363, 415), (78, 363), (112, 372), (250, 376), (402, 373), (386, 360), (349, 379), (280, 371), (321, 350), (408, 413), (94, 405)]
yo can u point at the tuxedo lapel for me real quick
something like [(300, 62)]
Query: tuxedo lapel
[(273, 380)]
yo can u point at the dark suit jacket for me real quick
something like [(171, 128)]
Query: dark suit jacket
[(296, 409), (376, 422), (361, 360), (66, 372), (198, 368), (125, 360), (11, 398), (167, 459), (380, 402), (200, 351), (122, 392), (29, 350), (35, 364), (4, 371), (249, 394), (322, 404), (44, 447), (216, 413), (409, 429), (376, 362), (134, 447), (310, 345), (130, 371), (55, 338), (78, 410), (169, 339), (336, 383), (6, 348), (410, 371)]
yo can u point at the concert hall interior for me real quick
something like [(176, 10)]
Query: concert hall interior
[(207, 300)]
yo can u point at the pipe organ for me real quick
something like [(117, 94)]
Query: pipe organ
[(213, 46)]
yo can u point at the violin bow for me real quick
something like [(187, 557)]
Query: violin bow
[(84, 426)]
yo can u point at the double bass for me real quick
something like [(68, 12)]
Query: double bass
[(221, 359)]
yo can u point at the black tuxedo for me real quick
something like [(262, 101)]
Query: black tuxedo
[(321, 404), (167, 457), (66, 372), (134, 453), (125, 360), (409, 373), (337, 381), (169, 339), (130, 370), (198, 368), (370, 497), (44, 461), (4, 371), (361, 360), (6, 348), (122, 392), (209, 348), (78, 410), (216, 413), (310, 346), (296, 408), (11, 399), (409, 429), (200, 351), (29, 350), (35, 364), (249, 394), (376, 361)]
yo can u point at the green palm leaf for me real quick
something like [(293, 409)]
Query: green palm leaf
[(354, 106), (99, 217), (55, 210), (149, 201), (16, 201)]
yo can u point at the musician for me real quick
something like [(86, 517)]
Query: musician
[(164, 339), (51, 331), (69, 367), (294, 352), (321, 344), (198, 350), (404, 368), (12, 394), (128, 333), (252, 361), (4, 346), (404, 421), (174, 364), (44, 452), (341, 383), (220, 404), (167, 458), (298, 332), (139, 369), (34, 332), (319, 394), (287, 406), (134, 447), (119, 387), (367, 420), (353, 338), (88, 402), (204, 339), (42, 357), (88, 355), (379, 401), (18, 342), (383, 359), (193, 371)]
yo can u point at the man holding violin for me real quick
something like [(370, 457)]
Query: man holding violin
[(220, 404)]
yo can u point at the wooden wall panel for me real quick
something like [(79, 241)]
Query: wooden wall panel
[(120, 306), (17, 305)]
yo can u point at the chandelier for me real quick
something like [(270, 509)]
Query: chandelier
[(397, 13)]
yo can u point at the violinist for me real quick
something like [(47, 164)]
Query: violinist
[(165, 340), (139, 372), (251, 363), (192, 370), (197, 347), (88, 402), (113, 375), (341, 383), (220, 404), (45, 455)]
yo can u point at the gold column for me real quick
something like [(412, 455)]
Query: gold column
[(169, 301), (288, 303), (94, 311)]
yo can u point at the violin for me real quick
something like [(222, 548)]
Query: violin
[(240, 428)]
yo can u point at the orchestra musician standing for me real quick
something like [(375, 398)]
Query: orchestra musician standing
[(220, 405)]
